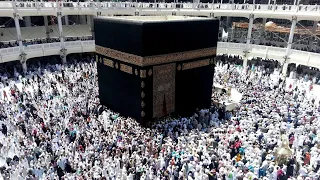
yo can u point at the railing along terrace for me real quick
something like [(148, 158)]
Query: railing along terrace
[(8, 51), (277, 53), (158, 6), (47, 47)]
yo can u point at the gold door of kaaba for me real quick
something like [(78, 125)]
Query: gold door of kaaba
[(164, 89)]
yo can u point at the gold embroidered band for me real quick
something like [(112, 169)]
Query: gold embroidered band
[(195, 64), (125, 57), (108, 62), (126, 68), (143, 73), (157, 59)]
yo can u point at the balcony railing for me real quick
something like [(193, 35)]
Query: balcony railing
[(48, 49), (157, 6), (276, 53), (8, 51)]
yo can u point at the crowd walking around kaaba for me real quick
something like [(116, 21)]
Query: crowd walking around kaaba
[(53, 127)]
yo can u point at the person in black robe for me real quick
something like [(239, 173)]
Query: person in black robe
[(213, 175), (8, 161), (4, 130), (60, 173), (68, 167), (137, 175), (290, 167), (62, 72)]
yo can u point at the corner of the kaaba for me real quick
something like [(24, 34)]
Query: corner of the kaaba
[(194, 87), (194, 74), (118, 90), (119, 81)]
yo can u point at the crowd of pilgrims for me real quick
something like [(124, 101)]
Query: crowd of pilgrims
[(53, 127)]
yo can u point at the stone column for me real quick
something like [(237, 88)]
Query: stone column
[(288, 51), (17, 24), (262, 30), (89, 20), (23, 59), (46, 26), (63, 58), (90, 24), (314, 29), (245, 60), (66, 20), (63, 50), (23, 62)]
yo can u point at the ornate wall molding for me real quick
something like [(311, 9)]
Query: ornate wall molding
[(143, 73), (294, 18), (157, 59), (122, 56), (142, 104), (180, 56), (97, 58), (179, 67), (108, 62), (195, 64), (126, 68), (142, 95)]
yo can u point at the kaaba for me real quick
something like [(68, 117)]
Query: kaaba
[(150, 67)]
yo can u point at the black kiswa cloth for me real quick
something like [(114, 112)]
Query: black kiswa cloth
[(164, 108)]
